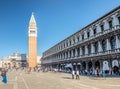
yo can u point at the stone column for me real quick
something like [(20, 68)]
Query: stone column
[(91, 31), (80, 51), (117, 42), (69, 54), (108, 45), (86, 50), (62, 56), (106, 26), (92, 48), (76, 39), (98, 28), (80, 37), (68, 42), (99, 46), (115, 20), (76, 53), (85, 35), (72, 53), (72, 42)]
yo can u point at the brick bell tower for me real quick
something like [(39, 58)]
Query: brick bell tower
[(32, 43)]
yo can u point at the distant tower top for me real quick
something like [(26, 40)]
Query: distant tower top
[(32, 19), (32, 23)]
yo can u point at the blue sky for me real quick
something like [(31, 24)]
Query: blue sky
[(56, 20)]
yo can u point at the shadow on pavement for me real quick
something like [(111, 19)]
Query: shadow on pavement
[(66, 78)]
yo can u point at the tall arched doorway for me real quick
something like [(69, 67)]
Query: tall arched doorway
[(97, 64), (83, 65), (112, 43), (90, 65), (90, 70), (97, 68), (115, 67)]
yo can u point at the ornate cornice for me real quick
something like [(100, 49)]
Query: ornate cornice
[(109, 18), (118, 14)]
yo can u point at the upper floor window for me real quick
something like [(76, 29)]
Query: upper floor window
[(70, 53), (67, 44), (66, 54), (83, 50), (82, 36), (73, 40), (73, 52), (94, 31), (88, 34), (78, 38), (104, 45), (110, 24), (78, 51), (96, 47), (102, 28), (61, 47), (89, 49), (70, 42), (119, 19), (64, 45), (112, 42)]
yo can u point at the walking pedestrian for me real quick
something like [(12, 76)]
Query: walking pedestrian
[(77, 74), (73, 74), (4, 77)]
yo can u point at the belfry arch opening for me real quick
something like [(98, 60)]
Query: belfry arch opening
[(97, 65)]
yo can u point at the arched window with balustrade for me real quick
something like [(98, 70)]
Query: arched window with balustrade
[(112, 42), (96, 47), (103, 45)]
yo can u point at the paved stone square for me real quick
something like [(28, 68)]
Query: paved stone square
[(49, 80)]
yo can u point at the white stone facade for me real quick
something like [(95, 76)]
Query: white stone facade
[(92, 47), (14, 61)]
